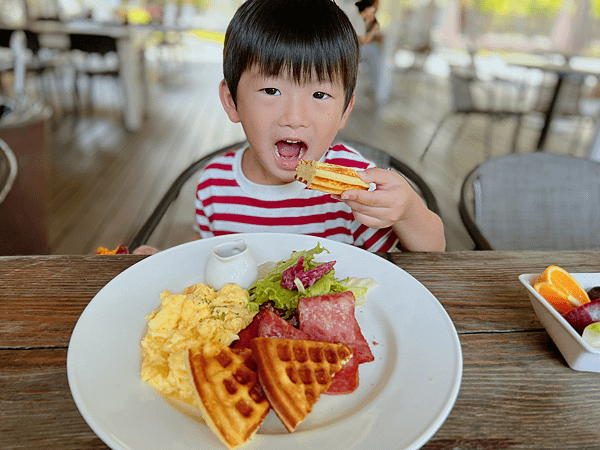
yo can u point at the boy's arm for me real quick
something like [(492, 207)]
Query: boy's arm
[(423, 231), (145, 250), (395, 203)]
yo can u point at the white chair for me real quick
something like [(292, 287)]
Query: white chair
[(94, 56), (533, 201), (8, 170)]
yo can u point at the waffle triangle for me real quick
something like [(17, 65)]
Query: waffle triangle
[(330, 178), (227, 392), (294, 373)]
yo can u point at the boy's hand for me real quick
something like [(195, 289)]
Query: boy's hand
[(392, 201), (395, 203), (145, 250)]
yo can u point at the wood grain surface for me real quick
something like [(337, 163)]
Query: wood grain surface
[(517, 391)]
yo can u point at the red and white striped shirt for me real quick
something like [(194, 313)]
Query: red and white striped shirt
[(227, 203)]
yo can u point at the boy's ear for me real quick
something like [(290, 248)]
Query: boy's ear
[(228, 103), (347, 112)]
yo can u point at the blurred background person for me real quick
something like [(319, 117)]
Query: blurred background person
[(362, 15)]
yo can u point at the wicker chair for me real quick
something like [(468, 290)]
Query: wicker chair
[(533, 201), (381, 159)]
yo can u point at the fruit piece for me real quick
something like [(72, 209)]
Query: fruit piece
[(581, 317), (594, 293), (120, 250), (560, 289), (591, 335)]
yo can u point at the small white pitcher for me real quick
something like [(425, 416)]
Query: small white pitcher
[(231, 262)]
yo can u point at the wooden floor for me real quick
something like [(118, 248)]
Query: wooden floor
[(105, 181)]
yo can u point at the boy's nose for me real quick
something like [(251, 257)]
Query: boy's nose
[(294, 114)]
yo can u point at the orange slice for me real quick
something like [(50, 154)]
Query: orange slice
[(560, 289)]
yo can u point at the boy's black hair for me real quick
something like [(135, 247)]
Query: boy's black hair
[(304, 38)]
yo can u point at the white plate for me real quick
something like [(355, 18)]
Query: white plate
[(404, 396)]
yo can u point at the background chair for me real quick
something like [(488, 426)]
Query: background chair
[(533, 201), (6, 56), (465, 102), (381, 158), (8, 170), (38, 62), (93, 56)]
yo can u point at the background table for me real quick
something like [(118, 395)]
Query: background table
[(128, 50), (562, 71), (517, 391)]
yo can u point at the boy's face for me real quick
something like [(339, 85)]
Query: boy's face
[(284, 122)]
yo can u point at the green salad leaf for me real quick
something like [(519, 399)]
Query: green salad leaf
[(268, 287), (359, 287)]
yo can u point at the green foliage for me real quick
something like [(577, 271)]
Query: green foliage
[(522, 8), (527, 8)]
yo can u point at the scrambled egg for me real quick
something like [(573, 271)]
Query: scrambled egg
[(186, 320)]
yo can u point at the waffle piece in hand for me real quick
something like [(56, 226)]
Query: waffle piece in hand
[(228, 393), (329, 178), (294, 373)]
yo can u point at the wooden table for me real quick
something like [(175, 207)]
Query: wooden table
[(517, 391)]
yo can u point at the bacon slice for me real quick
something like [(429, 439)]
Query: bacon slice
[(362, 351), (267, 323), (331, 318), (271, 325), (247, 334), (346, 380)]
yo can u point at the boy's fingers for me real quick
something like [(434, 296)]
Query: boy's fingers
[(379, 176), (358, 196)]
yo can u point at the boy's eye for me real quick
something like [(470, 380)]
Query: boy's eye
[(320, 95), (271, 91)]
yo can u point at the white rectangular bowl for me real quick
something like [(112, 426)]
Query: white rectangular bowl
[(578, 354)]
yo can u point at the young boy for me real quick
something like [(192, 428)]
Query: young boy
[(290, 71)]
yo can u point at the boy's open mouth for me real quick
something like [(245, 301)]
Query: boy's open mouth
[(290, 151)]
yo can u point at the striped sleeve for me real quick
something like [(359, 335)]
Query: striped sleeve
[(217, 175)]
